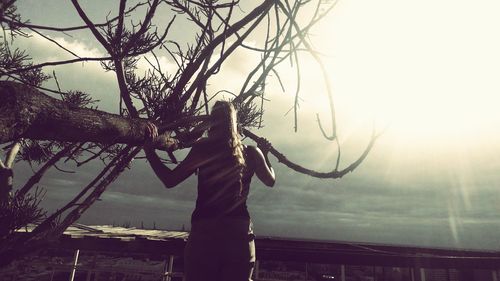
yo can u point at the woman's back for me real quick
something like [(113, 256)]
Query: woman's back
[(223, 184)]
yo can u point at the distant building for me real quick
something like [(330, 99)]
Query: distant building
[(95, 253)]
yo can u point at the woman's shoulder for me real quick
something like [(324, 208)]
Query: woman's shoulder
[(251, 149), (251, 152)]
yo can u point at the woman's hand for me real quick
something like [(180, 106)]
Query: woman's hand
[(150, 134), (264, 145)]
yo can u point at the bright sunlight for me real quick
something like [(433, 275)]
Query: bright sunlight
[(427, 71)]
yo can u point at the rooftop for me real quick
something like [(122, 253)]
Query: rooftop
[(162, 242)]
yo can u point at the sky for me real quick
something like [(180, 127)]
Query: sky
[(424, 74)]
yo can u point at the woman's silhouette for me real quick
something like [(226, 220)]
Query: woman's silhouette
[(220, 245)]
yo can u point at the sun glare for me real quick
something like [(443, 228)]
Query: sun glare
[(427, 74)]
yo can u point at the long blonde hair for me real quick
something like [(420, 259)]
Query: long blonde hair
[(224, 128)]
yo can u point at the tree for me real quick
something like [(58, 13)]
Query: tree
[(176, 100)]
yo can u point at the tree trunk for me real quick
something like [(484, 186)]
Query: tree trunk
[(26, 112)]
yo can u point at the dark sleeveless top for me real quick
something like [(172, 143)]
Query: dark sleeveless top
[(220, 194)]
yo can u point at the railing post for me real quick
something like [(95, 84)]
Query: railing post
[(422, 274), (89, 272), (256, 269), (169, 267), (75, 262), (342, 272)]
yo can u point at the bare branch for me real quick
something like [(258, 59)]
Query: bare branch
[(39, 174), (194, 66), (120, 166), (124, 92), (55, 42), (146, 24), (334, 174), (201, 80), (100, 183), (185, 9), (54, 63), (119, 27), (92, 27), (15, 23), (96, 155)]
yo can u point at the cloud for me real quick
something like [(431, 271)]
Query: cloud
[(84, 76)]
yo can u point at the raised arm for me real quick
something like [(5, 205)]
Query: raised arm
[(169, 177), (263, 168)]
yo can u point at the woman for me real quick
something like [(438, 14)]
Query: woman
[(220, 245)]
